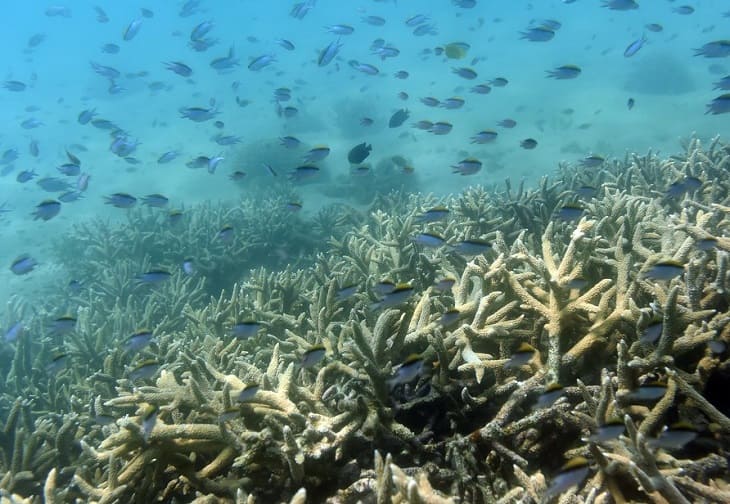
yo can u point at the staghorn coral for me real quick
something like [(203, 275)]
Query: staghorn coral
[(468, 427)]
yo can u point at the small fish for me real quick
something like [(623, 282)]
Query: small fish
[(654, 27), (572, 473), (630, 103), (473, 247), (237, 175), (153, 276), (155, 200), (120, 200), (149, 419), (444, 284), (167, 157), (570, 212), (401, 74), (110, 48), (137, 341), (714, 49), (647, 393), (620, 4), (450, 317), (397, 296), (23, 265), (455, 102), (430, 101), (507, 123), (607, 432), (398, 118), (359, 153), (225, 234), (706, 244), (468, 166), (46, 210), (409, 370), (429, 240), (685, 10), (286, 44), (25, 176), (302, 173), (674, 437), (652, 332), (366, 121), (384, 287), (484, 136), (434, 214), (179, 68), (14, 332), (347, 291), (246, 329), (664, 271), (316, 154), (719, 105), (528, 143), (499, 82), (327, 54), (538, 34), (481, 89), (58, 363), (175, 216), (340, 29), (198, 114), (13, 85), (188, 266), (551, 393), (522, 356), (144, 370), (63, 325), (441, 128), (289, 142), (247, 393), (312, 356), (373, 20), (564, 72), (132, 29), (465, 73), (423, 125), (634, 46)]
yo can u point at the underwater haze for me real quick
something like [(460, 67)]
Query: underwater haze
[(51, 52), (284, 225)]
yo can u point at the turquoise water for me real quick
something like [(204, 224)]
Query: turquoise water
[(569, 118)]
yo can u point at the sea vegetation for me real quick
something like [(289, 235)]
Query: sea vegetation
[(581, 355)]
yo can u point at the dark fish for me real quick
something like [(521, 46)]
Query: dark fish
[(398, 118), (715, 49), (132, 29), (46, 210), (528, 143), (634, 47), (154, 276), (179, 68), (327, 54), (538, 34), (359, 153), (23, 265), (13, 85), (564, 72), (260, 62), (664, 271), (620, 4), (53, 184), (120, 200), (630, 103)]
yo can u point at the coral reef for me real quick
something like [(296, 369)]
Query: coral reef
[(564, 343)]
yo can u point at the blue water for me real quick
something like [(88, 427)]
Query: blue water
[(569, 118)]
